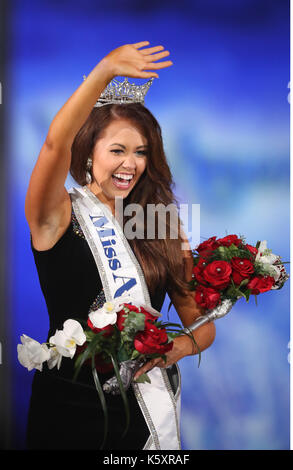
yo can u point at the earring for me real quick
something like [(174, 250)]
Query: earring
[(88, 176)]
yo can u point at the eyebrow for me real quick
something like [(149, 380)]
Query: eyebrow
[(123, 146)]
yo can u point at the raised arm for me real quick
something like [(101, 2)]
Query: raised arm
[(47, 204), (47, 200)]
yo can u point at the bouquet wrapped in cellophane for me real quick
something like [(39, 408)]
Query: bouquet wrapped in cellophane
[(228, 268)]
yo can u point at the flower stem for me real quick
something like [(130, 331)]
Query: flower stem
[(102, 399), (123, 394)]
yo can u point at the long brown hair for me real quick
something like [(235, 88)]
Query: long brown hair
[(161, 259)]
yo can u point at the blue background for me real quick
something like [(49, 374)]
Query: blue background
[(224, 111)]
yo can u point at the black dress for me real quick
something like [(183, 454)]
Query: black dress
[(64, 414)]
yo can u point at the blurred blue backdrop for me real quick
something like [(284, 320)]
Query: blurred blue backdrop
[(223, 108)]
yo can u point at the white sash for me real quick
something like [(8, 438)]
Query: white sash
[(121, 274)]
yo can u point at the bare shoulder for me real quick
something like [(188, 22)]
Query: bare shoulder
[(46, 235)]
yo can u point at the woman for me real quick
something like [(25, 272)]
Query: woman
[(104, 146)]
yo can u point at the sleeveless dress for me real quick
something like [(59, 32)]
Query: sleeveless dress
[(64, 414)]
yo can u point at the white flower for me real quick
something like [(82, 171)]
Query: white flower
[(54, 359), (264, 255), (107, 315), (66, 340), (32, 354), (267, 258)]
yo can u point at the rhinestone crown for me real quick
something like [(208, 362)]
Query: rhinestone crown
[(123, 92)]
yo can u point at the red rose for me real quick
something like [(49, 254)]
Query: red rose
[(107, 330), (198, 270), (205, 248), (121, 315), (251, 249), (207, 297), (242, 268), (218, 273), (152, 340), (237, 278), (228, 240), (148, 316), (103, 364), (260, 284)]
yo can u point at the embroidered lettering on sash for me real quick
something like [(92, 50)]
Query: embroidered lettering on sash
[(114, 263)]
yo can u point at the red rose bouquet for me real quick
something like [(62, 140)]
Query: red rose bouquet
[(121, 332), (120, 336), (228, 268)]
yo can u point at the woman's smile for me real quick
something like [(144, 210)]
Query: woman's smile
[(122, 180)]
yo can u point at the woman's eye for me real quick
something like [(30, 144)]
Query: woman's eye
[(143, 152)]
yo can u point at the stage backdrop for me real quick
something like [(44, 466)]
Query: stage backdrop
[(224, 111)]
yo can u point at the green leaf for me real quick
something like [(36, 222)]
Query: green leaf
[(135, 354), (143, 378), (122, 354), (91, 349), (231, 292), (102, 400), (133, 323), (255, 299), (122, 391), (243, 283), (173, 329), (173, 335), (239, 292), (165, 325), (89, 335)]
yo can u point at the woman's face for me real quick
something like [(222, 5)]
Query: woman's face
[(122, 151)]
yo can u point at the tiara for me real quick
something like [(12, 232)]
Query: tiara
[(123, 92)]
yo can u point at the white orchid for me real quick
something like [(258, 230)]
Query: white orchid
[(54, 359), (264, 255), (31, 353), (66, 340), (107, 315), (267, 258)]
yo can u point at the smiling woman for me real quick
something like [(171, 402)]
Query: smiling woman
[(123, 165), (85, 260), (132, 126)]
